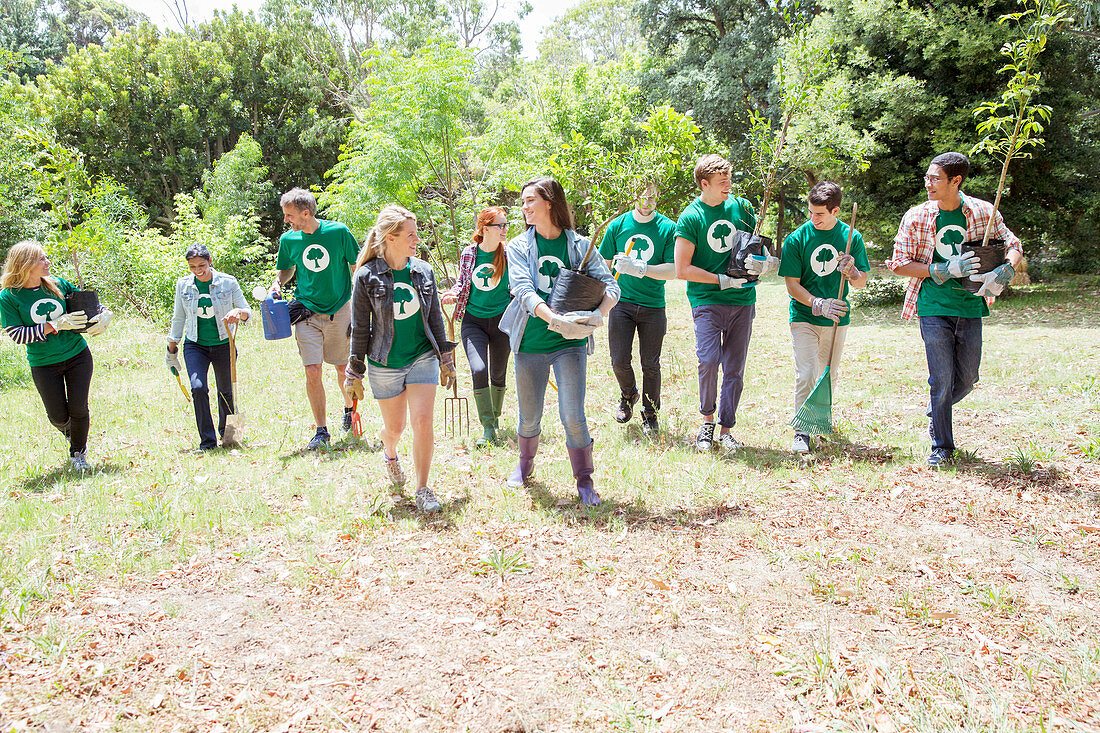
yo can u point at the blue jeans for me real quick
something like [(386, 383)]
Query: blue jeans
[(198, 360), (722, 334), (533, 373), (953, 347)]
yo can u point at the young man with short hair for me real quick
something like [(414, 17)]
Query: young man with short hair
[(814, 263), (928, 250), (322, 253), (722, 307), (650, 236)]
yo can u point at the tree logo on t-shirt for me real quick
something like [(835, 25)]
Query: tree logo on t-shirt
[(720, 235), (206, 307), (823, 260), (405, 302), (315, 258), (643, 248), (549, 267), (948, 240), (483, 276), (44, 310)]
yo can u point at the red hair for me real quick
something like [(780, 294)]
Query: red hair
[(484, 219)]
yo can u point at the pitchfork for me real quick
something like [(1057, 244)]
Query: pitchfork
[(455, 408)]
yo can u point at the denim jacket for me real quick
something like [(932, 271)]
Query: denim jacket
[(226, 293), (523, 268), (372, 324)]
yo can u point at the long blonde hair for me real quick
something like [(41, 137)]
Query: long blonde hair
[(389, 220), (22, 258)]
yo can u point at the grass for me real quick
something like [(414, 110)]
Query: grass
[(245, 588)]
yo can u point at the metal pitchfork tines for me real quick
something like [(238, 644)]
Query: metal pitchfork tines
[(456, 410)]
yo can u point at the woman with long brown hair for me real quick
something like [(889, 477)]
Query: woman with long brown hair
[(32, 312), (480, 296)]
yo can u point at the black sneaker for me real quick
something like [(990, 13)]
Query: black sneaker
[(705, 440), (347, 419), (649, 424), (625, 409), (940, 457), (320, 439)]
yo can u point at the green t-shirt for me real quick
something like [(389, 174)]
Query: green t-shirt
[(35, 306), (323, 262), (537, 337), (654, 244), (409, 339), (207, 321), (951, 298), (487, 300), (710, 229), (811, 255)]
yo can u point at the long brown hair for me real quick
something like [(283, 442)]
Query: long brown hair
[(500, 258), (21, 259), (389, 220), (550, 190)]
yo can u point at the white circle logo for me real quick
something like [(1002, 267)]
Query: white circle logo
[(948, 240), (823, 260), (315, 258), (549, 267), (405, 302), (720, 235), (206, 307), (643, 248), (43, 310), (483, 276)]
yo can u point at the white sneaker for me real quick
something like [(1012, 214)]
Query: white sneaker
[(705, 439), (80, 461), (728, 442), (393, 469), (800, 443), (426, 501)]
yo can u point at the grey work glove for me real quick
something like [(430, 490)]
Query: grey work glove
[(587, 318), (447, 374), (830, 308), (70, 321), (99, 324), (725, 282), (955, 266), (626, 265), (994, 281), (760, 266), (568, 326), (172, 361), (847, 266)]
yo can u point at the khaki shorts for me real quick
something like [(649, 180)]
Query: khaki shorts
[(324, 338)]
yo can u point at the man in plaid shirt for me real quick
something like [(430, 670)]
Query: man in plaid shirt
[(928, 250)]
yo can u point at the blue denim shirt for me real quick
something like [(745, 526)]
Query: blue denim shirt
[(523, 268), (226, 293)]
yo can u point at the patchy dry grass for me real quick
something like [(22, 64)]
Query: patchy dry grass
[(272, 589)]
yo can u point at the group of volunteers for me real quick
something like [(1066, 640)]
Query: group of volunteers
[(375, 314)]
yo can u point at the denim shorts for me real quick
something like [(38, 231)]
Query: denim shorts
[(387, 383)]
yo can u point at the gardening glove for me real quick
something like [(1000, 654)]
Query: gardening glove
[(830, 308), (172, 361), (569, 327), (627, 265), (725, 282), (70, 321), (955, 266), (847, 266), (994, 281), (588, 318), (760, 265), (447, 373), (100, 322), (354, 386)]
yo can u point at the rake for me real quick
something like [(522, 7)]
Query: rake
[(456, 410), (815, 416)]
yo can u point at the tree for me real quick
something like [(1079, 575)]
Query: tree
[(591, 31), (401, 296)]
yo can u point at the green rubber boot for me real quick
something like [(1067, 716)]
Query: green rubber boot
[(498, 404), (484, 402)]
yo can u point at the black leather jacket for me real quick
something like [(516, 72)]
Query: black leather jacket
[(372, 323)]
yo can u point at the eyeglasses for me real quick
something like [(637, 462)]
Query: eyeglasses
[(501, 227), (933, 179)]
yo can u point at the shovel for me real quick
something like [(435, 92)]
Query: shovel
[(456, 410), (179, 381), (234, 422)]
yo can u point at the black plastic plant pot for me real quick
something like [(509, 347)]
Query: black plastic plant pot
[(745, 245), (575, 291), (990, 257), (83, 300)]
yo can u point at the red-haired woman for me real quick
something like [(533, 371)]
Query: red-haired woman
[(481, 295)]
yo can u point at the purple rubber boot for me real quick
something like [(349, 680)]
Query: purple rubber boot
[(581, 460), (528, 447)]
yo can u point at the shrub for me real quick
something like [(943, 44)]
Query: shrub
[(879, 292)]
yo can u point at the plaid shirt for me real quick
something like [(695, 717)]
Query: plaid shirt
[(461, 288), (916, 239)]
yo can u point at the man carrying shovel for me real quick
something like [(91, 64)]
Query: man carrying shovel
[(927, 250), (814, 263), (322, 253)]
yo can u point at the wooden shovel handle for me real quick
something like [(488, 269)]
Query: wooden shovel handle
[(231, 329)]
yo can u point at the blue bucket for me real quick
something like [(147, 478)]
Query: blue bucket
[(276, 317)]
